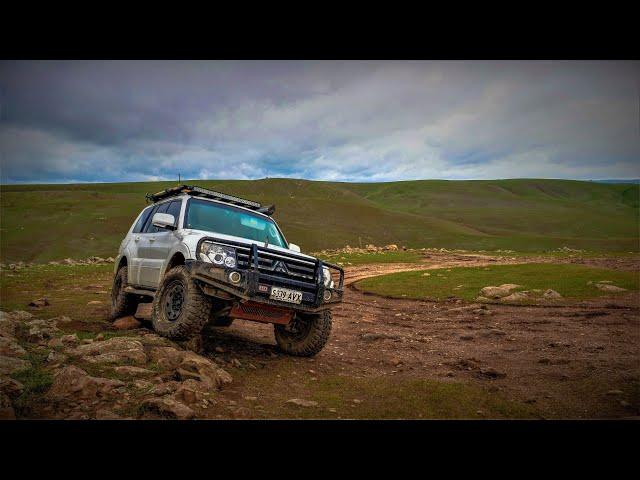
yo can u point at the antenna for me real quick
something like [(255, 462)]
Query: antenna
[(179, 179)]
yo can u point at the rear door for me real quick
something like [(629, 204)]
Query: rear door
[(133, 248)]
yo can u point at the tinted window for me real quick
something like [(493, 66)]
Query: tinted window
[(150, 227), (174, 209), (141, 221)]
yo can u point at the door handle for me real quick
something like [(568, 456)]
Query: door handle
[(152, 239), (136, 238)]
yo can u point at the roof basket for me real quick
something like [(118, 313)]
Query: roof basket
[(206, 193)]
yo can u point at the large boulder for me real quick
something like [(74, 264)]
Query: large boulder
[(501, 291), (605, 287), (41, 330), (73, 383), (551, 294), (203, 370), (168, 407), (114, 350), (515, 297)]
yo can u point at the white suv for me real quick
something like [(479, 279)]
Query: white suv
[(206, 256)]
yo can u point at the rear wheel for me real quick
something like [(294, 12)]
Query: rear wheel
[(122, 303), (305, 335), (180, 309)]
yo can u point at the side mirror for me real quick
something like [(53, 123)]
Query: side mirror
[(164, 220), (293, 247)]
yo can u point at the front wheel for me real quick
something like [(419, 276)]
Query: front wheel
[(305, 335), (180, 309)]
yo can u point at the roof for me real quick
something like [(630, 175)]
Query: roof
[(211, 194)]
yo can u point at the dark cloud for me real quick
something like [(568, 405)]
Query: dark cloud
[(126, 120)]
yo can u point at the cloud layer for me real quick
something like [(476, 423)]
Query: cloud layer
[(351, 121)]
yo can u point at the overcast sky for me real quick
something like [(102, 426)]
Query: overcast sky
[(80, 121)]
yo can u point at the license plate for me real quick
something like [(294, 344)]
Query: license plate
[(285, 295)]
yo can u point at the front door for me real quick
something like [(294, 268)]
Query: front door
[(156, 245)]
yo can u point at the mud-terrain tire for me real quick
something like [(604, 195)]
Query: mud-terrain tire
[(122, 303), (180, 308), (306, 336)]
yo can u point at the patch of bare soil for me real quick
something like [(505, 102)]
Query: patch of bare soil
[(565, 361)]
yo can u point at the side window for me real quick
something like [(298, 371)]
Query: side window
[(147, 224), (150, 227), (174, 209), (141, 221)]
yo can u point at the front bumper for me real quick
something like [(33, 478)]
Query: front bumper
[(255, 284)]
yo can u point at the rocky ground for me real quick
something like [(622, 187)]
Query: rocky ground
[(554, 361)]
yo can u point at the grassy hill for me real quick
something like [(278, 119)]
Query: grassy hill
[(45, 222)]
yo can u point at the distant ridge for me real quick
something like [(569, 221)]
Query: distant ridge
[(39, 223), (633, 181)]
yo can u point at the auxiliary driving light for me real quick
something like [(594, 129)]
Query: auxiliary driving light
[(234, 277), (327, 295)]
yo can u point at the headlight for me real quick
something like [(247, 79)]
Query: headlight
[(218, 254), (326, 274)]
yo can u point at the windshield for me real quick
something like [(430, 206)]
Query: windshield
[(228, 220)]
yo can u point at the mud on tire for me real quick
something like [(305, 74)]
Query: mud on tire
[(306, 335), (122, 303), (180, 309)]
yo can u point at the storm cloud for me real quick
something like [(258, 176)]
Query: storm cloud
[(86, 121)]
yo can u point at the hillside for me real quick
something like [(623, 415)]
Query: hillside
[(47, 222)]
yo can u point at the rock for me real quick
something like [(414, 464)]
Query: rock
[(169, 407), (6, 408), (11, 387), (515, 297), (70, 340), (204, 370), (391, 247), (99, 337), (39, 303), (114, 350), (466, 337), (609, 288), (40, 330), (126, 323), (498, 292), (235, 363), (165, 388), (167, 358), (74, 383), (104, 414), (302, 403), (9, 365), (94, 302), (190, 392), (9, 347), (551, 294), (130, 371), (219, 350)]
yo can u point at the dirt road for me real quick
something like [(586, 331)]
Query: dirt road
[(575, 361)]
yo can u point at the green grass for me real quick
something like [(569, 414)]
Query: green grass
[(50, 222), (383, 397), (63, 287), (571, 281), (36, 381)]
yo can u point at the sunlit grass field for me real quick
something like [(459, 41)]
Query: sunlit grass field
[(574, 282), (39, 223)]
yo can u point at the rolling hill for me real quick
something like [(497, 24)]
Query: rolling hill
[(50, 222)]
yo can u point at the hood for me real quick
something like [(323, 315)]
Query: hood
[(190, 237)]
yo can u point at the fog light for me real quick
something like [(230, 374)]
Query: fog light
[(327, 295), (234, 277)]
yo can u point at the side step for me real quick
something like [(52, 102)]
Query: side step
[(140, 291)]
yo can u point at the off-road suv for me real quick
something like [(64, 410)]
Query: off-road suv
[(206, 256)]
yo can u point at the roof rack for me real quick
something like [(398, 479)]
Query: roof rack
[(206, 193)]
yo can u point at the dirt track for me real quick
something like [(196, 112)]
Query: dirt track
[(574, 361)]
